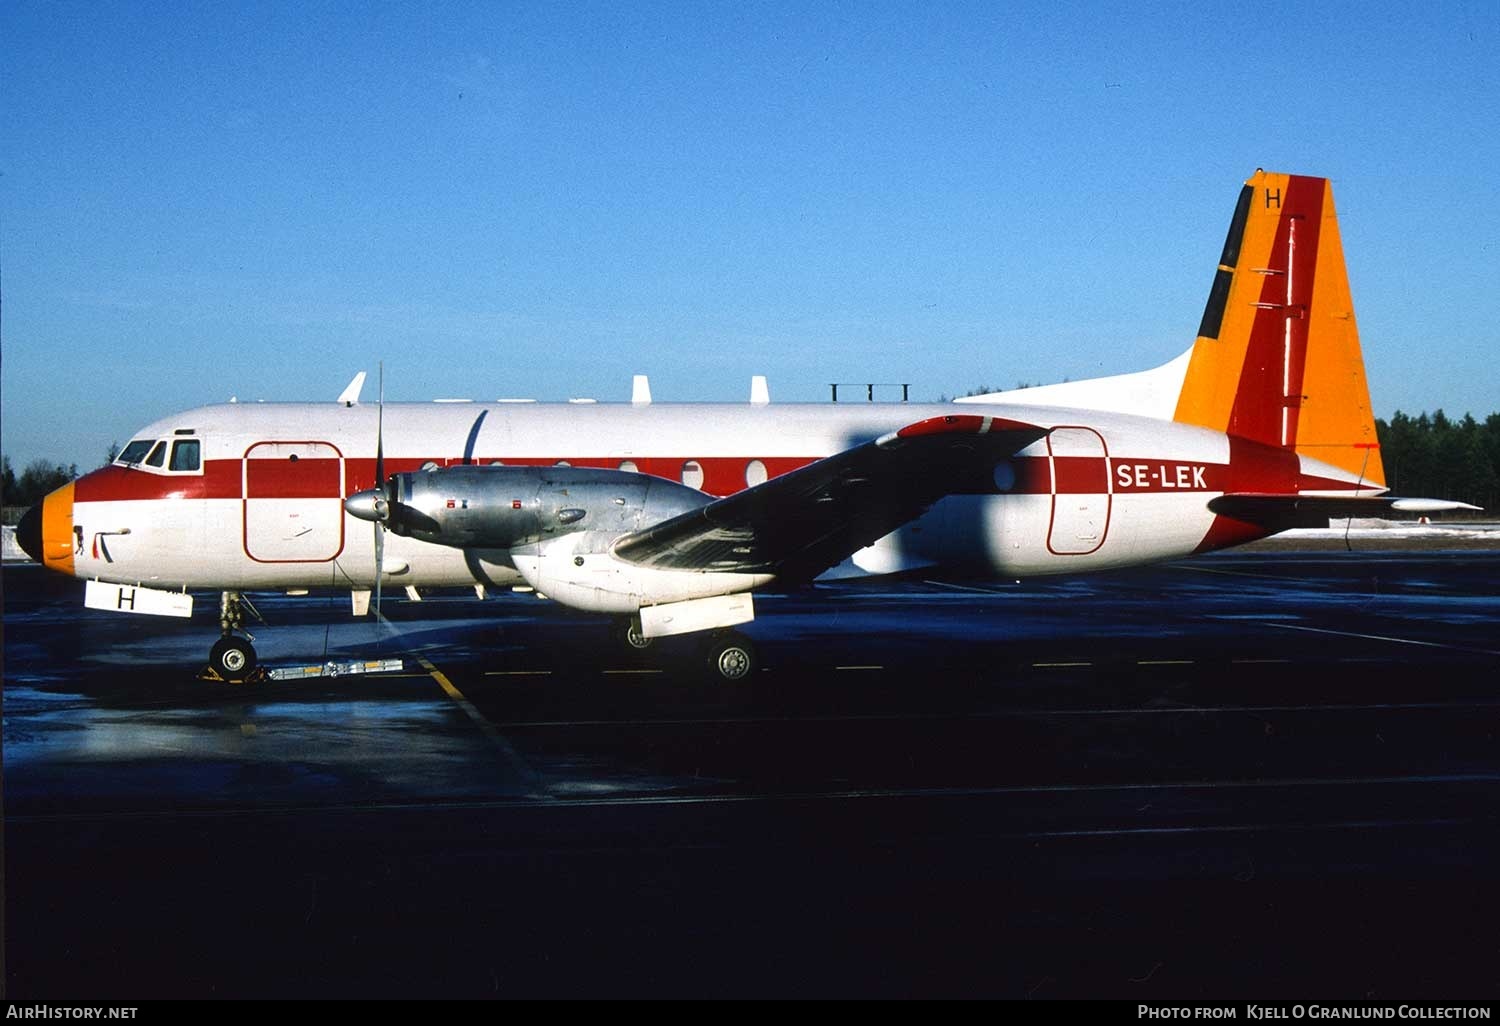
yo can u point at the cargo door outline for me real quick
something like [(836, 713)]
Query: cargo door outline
[(293, 495), (1082, 491)]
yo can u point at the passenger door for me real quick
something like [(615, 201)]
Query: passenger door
[(1081, 491), (294, 502)]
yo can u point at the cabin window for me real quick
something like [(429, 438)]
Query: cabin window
[(755, 473), (692, 474), (158, 455), (185, 455), (136, 451), (629, 467)]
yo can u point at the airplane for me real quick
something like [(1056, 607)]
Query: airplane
[(668, 517)]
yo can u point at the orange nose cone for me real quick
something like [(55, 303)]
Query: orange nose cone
[(58, 542)]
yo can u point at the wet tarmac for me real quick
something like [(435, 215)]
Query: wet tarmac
[(1252, 776)]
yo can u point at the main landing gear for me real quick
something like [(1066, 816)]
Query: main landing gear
[(628, 632), (728, 656), (232, 659)]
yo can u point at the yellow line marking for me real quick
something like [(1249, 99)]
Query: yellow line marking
[(485, 726), (518, 673)]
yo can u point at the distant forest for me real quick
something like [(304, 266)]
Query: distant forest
[(1433, 457), (1428, 455)]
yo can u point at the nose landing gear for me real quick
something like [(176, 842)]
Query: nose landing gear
[(232, 660)]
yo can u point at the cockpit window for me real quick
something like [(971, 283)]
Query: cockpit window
[(158, 455), (135, 451), (185, 455)]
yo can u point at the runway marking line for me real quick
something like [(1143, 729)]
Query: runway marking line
[(487, 728), (859, 667), (518, 673), (1380, 637), (1164, 662), (630, 672), (964, 587), (1053, 665), (1227, 573)]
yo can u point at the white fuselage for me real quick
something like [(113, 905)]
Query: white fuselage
[(263, 506)]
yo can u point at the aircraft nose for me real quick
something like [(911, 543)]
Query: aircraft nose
[(46, 531), (29, 533)]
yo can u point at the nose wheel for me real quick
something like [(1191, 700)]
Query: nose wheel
[(232, 659)]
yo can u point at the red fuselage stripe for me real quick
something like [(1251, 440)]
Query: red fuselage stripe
[(1252, 468)]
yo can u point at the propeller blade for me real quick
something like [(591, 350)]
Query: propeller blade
[(380, 432), (379, 568), (382, 504)]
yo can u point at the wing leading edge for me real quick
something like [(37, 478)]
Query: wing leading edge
[(800, 524)]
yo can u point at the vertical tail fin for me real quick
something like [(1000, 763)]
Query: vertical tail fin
[(1277, 359)]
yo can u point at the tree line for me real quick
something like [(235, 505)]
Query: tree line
[(37, 479), (1433, 456)]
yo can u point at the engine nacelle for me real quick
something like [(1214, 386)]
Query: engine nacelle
[(581, 571), (506, 507)]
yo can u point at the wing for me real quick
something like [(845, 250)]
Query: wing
[(1280, 512), (800, 524)]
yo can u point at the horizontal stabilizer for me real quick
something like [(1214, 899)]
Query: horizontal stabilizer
[(1282, 512)]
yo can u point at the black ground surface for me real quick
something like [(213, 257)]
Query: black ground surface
[(1249, 776)]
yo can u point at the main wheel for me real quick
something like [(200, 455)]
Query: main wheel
[(629, 633), (731, 656), (232, 658)]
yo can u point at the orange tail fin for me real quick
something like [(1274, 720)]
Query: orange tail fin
[(1277, 359)]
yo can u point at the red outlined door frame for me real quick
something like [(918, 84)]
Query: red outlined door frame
[(280, 498), (1082, 490)]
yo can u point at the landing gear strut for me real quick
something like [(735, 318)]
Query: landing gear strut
[(232, 658)]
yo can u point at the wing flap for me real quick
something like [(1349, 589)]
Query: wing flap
[(799, 524)]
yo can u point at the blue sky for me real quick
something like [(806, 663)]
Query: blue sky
[(506, 199)]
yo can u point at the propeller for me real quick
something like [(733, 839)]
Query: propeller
[(382, 503), (374, 504)]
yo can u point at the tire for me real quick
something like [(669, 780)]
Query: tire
[(628, 633), (232, 658), (731, 657)]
